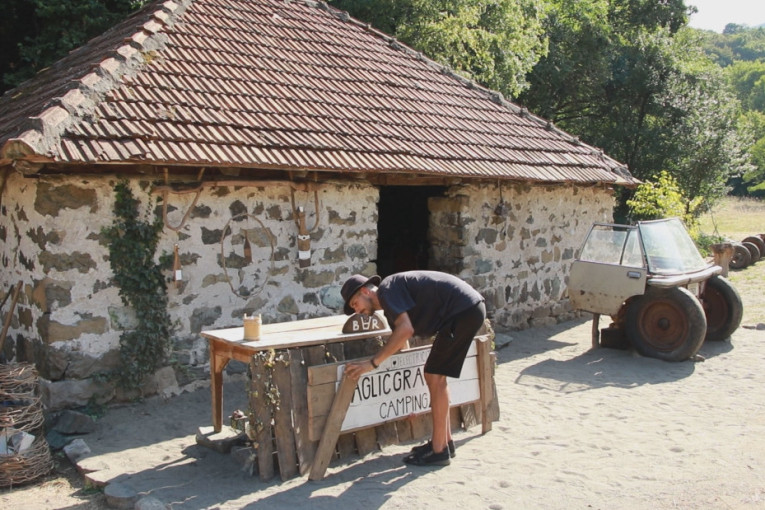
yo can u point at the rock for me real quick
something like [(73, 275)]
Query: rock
[(76, 450), (119, 495), (73, 422), (222, 441), (56, 440), (150, 503)]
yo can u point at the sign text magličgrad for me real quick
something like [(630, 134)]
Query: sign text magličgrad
[(397, 389)]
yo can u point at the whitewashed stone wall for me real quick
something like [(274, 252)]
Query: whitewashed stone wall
[(70, 316), (519, 261)]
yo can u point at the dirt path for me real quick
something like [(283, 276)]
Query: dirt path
[(579, 428)]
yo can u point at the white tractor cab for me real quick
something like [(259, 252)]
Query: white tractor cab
[(661, 294)]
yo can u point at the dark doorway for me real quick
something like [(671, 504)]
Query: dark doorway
[(402, 228)]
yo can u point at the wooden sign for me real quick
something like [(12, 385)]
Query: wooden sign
[(393, 391), (357, 323)]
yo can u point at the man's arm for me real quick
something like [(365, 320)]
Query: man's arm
[(402, 332)]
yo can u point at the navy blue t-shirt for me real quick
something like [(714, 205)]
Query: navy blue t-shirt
[(430, 298)]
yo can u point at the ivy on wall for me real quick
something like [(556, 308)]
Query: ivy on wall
[(132, 244)]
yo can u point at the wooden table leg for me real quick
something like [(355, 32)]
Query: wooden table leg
[(217, 364)]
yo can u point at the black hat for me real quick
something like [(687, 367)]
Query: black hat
[(352, 286)]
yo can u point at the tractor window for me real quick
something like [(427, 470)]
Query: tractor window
[(668, 247), (613, 244)]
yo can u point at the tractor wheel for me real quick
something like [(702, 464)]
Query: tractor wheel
[(723, 308), (668, 324), (756, 240), (753, 251), (741, 257)]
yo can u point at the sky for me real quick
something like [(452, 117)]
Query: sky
[(715, 14)]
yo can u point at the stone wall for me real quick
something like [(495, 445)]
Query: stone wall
[(70, 316), (519, 257)]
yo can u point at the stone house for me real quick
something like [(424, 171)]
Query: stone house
[(286, 146)]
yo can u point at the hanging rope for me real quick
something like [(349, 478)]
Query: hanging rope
[(223, 256)]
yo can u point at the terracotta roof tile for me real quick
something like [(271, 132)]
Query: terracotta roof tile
[(279, 84)]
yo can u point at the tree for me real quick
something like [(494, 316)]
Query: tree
[(495, 42), (41, 31), (627, 77)]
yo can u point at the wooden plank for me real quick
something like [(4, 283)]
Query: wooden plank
[(332, 429), (404, 430), (387, 434), (494, 405), (455, 420), (261, 417), (486, 380), (283, 428), (320, 400), (314, 355), (366, 441), (469, 416), (422, 426), (346, 445), (286, 335), (305, 448), (322, 374), (335, 353)]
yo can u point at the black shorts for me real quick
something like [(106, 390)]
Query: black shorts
[(453, 342)]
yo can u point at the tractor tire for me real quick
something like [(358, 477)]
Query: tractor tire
[(723, 308), (741, 257), (667, 324), (753, 251), (756, 240)]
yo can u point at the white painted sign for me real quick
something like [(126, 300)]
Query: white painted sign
[(397, 389)]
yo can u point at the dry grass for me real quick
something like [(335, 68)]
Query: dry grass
[(735, 219)]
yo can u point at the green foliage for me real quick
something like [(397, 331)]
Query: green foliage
[(39, 32), (132, 246), (705, 241), (626, 76), (736, 43), (663, 198), (495, 42)]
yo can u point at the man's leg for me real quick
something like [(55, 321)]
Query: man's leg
[(439, 408)]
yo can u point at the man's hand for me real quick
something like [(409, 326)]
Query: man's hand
[(358, 368)]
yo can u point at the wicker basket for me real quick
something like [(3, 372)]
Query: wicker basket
[(21, 410)]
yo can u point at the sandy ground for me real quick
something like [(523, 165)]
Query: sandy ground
[(579, 429)]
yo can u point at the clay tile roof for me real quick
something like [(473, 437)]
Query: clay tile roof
[(278, 84)]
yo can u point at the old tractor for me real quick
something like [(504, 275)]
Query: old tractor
[(662, 296)]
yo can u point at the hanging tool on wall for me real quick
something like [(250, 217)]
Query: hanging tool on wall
[(177, 272), (304, 238)]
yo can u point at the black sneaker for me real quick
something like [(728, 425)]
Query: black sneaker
[(418, 450), (429, 458)]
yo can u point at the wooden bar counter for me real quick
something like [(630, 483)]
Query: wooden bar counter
[(299, 399), (228, 344)]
